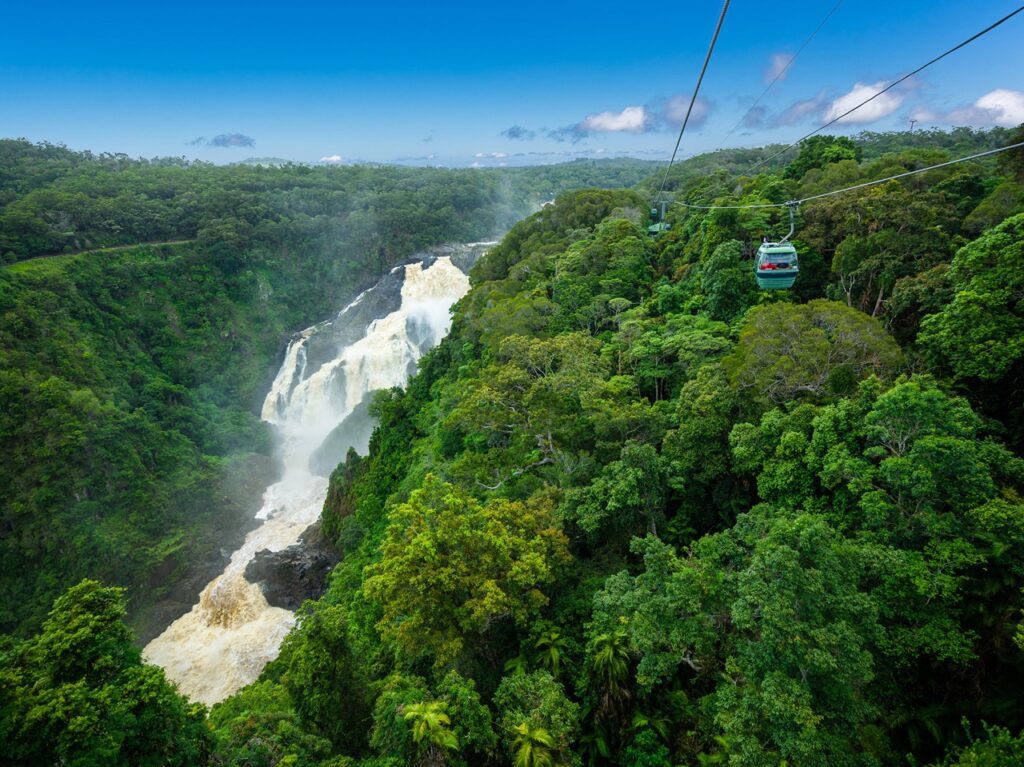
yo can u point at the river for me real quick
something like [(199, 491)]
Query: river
[(317, 404)]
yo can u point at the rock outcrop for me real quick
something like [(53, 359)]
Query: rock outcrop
[(289, 577)]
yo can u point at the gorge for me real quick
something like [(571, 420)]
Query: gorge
[(318, 405)]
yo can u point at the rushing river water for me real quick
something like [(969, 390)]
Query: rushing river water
[(318, 404)]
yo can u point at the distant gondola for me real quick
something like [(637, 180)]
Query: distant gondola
[(659, 224)]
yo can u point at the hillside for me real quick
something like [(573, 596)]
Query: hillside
[(132, 376), (54, 200), (652, 515), (632, 510)]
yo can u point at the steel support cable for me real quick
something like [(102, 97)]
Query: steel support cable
[(889, 87), (834, 192), (693, 98), (782, 71)]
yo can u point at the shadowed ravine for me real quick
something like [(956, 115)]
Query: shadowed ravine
[(328, 373)]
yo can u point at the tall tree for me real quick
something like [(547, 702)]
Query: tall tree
[(453, 568), (78, 693), (323, 677), (816, 350), (819, 151)]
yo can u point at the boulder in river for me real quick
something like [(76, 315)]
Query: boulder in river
[(289, 577)]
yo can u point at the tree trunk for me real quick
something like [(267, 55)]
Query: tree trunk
[(878, 301)]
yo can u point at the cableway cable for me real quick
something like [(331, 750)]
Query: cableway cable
[(696, 90), (782, 72), (834, 192), (892, 85)]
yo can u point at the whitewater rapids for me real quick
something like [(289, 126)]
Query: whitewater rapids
[(329, 370)]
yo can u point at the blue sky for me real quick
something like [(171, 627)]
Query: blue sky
[(443, 83)]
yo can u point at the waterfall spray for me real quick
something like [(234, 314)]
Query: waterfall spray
[(227, 638)]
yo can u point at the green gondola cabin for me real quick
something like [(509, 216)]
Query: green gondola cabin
[(658, 223), (776, 266)]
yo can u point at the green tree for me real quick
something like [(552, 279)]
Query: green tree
[(627, 497), (981, 333), (819, 151), (798, 673), (258, 727), (452, 567), (391, 734), (891, 234), (594, 272), (551, 647), (646, 750), (431, 731), (533, 747), (323, 678), (1002, 202), (728, 282), (662, 352), (909, 475), (697, 457), (536, 701), (792, 672), (78, 693), (1012, 162), (526, 413), (998, 749), (609, 661), (471, 718), (816, 350), (454, 696)]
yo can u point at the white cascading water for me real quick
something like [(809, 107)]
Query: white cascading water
[(232, 632)]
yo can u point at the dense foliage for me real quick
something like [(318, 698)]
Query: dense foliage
[(53, 200), (794, 519), (131, 378), (633, 511), (78, 693)]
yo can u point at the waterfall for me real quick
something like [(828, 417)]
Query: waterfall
[(328, 371)]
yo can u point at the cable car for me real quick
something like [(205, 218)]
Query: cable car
[(660, 225), (777, 263)]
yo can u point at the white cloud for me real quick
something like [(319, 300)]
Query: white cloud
[(659, 115), (333, 159), (1003, 107), (1006, 105), (630, 119), (777, 65), (883, 106), (799, 111), (674, 111), (924, 115), (754, 118)]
